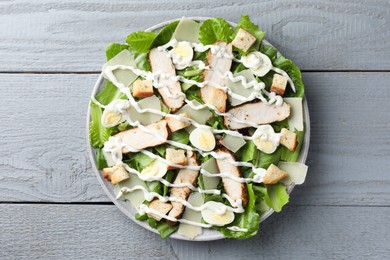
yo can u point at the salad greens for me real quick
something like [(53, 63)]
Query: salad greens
[(261, 197)]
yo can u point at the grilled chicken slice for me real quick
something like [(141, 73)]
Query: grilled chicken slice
[(160, 62), (138, 139), (215, 76), (259, 113), (233, 189), (184, 176)]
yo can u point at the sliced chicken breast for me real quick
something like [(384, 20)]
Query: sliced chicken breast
[(233, 189), (259, 113), (160, 62), (139, 139), (215, 76), (184, 176)]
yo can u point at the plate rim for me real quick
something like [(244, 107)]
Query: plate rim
[(208, 234)]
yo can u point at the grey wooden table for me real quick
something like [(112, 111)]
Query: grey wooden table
[(51, 205)]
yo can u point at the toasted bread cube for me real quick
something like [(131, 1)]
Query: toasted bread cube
[(279, 84), (115, 174), (243, 40), (175, 156), (142, 88), (288, 139), (273, 175), (161, 207), (175, 124)]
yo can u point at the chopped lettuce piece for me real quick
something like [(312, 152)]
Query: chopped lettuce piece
[(109, 93), (165, 35), (276, 196), (215, 29), (98, 134), (141, 41), (113, 49), (248, 220)]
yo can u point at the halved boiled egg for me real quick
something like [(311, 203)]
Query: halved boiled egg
[(217, 214), (257, 62), (266, 140), (113, 113), (154, 171), (182, 55), (203, 139)]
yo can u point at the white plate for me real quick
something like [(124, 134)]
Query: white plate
[(128, 209)]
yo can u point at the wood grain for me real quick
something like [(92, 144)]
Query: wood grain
[(71, 35), (43, 148), (102, 232)]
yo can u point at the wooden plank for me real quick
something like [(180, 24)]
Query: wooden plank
[(87, 231), (72, 35), (43, 148)]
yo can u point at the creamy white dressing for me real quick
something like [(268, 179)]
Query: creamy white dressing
[(114, 146), (237, 229)]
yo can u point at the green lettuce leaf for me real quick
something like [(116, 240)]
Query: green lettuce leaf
[(249, 220), (109, 93), (141, 60), (215, 29), (113, 49), (295, 74), (276, 196), (268, 50), (165, 229), (181, 136), (165, 35), (246, 24), (100, 160), (140, 41), (98, 134), (263, 160)]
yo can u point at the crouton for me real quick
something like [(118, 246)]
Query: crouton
[(279, 84), (273, 175), (162, 207), (142, 88), (243, 40), (115, 174), (288, 139), (175, 156), (175, 124)]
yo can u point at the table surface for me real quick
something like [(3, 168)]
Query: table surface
[(51, 204)]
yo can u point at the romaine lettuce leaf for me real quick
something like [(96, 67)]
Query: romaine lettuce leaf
[(249, 220), (109, 93), (98, 134), (246, 24), (165, 35), (113, 49), (215, 29), (276, 196), (100, 160), (140, 41), (294, 73), (181, 136)]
